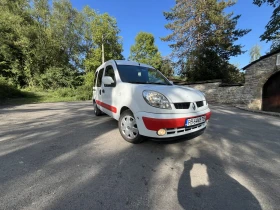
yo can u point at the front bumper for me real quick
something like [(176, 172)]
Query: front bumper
[(149, 123)]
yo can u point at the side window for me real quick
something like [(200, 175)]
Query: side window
[(110, 72), (95, 78), (99, 79)]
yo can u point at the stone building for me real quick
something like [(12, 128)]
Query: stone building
[(262, 83), (261, 90)]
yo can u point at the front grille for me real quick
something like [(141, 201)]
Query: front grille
[(186, 130), (199, 104), (185, 105)]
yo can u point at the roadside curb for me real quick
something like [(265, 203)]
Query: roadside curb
[(260, 112)]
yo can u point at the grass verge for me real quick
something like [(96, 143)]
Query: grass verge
[(60, 95)]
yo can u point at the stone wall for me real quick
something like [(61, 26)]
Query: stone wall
[(257, 74), (217, 94)]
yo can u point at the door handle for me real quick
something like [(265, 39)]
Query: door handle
[(99, 92), (103, 91)]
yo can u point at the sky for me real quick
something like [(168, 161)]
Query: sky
[(134, 16)]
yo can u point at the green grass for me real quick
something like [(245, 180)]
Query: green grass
[(60, 95), (36, 97), (11, 95)]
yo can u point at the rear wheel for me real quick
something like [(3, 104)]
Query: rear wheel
[(128, 128), (97, 111)]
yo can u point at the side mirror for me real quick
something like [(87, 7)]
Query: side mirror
[(172, 83), (107, 80)]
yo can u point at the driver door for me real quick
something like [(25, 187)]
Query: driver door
[(108, 91)]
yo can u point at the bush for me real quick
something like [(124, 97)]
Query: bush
[(55, 78), (83, 93), (65, 92), (8, 90), (80, 93)]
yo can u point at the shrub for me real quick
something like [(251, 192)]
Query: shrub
[(55, 78), (65, 92), (83, 93), (8, 90)]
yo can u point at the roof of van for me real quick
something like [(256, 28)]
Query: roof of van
[(131, 63)]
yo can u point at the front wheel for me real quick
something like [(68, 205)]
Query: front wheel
[(128, 128)]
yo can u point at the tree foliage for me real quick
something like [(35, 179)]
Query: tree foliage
[(270, 2), (145, 51), (203, 34), (255, 53), (167, 67), (49, 45), (272, 32), (275, 44), (101, 28)]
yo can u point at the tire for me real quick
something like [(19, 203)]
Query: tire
[(97, 111), (128, 128)]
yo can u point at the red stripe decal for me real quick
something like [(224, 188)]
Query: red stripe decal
[(107, 106), (156, 124), (208, 115)]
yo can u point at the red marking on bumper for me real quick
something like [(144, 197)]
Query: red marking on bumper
[(156, 124), (208, 115), (107, 106)]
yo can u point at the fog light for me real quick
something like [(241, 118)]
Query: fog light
[(161, 132)]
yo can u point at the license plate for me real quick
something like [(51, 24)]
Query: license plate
[(195, 121)]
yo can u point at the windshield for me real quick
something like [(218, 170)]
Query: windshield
[(141, 75)]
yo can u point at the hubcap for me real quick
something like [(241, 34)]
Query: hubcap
[(129, 127)]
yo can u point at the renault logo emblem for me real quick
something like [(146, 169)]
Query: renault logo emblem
[(193, 106)]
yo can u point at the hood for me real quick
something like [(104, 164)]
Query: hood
[(177, 94)]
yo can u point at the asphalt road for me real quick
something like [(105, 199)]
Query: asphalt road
[(60, 156)]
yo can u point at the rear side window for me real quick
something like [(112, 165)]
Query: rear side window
[(99, 79), (110, 72), (95, 78)]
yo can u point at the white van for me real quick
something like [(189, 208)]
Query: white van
[(146, 103)]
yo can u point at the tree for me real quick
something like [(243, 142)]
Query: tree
[(15, 21), (54, 58), (166, 67), (67, 31), (200, 28), (36, 40), (49, 44), (102, 28), (272, 32), (275, 44), (145, 51), (255, 53), (270, 2)]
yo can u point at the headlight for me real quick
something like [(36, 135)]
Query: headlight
[(156, 99)]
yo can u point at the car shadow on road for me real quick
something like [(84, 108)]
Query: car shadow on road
[(205, 185)]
